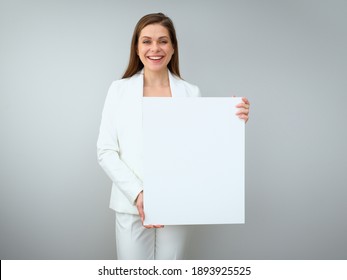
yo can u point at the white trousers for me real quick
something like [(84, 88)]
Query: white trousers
[(135, 242)]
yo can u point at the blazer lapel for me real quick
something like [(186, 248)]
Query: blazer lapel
[(177, 89), (136, 84)]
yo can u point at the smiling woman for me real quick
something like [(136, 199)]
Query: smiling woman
[(161, 24), (155, 48), (155, 51), (153, 71)]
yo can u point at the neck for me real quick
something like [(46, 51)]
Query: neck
[(159, 79)]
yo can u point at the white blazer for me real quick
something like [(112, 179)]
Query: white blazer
[(119, 146)]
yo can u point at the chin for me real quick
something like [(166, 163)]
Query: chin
[(156, 68)]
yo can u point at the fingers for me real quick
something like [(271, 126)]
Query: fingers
[(141, 212), (245, 100), (244, 109), (153, 226), (244, 104), (244, 117), (242, 112), (157, 226), (139, 205)]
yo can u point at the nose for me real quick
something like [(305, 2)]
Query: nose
[(155, 47)]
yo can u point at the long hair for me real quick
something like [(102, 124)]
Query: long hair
[(135, 63)]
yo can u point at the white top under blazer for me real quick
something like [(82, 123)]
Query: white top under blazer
[(119, 146)]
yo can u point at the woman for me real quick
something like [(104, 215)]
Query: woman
[(153, 71)]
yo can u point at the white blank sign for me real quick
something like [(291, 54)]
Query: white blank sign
[(194, 158)]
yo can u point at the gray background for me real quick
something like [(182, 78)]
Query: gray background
[(57, 60)]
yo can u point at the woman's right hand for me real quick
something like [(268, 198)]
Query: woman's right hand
[(139, 205)]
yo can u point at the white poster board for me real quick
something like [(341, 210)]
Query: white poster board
[(194, 159)]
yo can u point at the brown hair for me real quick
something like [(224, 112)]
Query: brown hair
[(135, 63)]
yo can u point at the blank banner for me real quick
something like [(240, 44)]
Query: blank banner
[(194, 161)]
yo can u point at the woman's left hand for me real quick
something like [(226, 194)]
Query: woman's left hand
[(139, 206), (244, 109)]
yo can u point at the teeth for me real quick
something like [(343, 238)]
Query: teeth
[(155, 57)]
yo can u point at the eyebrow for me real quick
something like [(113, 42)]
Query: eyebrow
[(161, 37)]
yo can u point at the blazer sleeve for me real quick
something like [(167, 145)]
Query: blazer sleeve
[(108, 150)]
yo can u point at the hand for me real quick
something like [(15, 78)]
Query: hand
[(244, 109), (139, 205)]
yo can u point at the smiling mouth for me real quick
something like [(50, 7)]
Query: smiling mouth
[(155, 58)]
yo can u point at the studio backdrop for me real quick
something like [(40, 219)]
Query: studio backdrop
[(57, 61)]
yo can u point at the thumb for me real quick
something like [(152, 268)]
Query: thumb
[(142, 214)]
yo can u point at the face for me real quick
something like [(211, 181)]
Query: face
[(155, 47)]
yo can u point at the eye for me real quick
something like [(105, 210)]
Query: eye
[(163, 42), (146, 42)]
